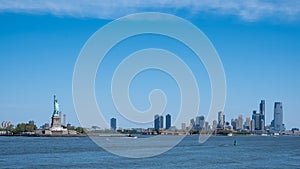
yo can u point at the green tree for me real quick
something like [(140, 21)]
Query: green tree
[(10, 128), (70, 127), (80, 130), (24, 127)]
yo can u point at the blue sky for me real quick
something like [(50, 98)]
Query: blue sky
[(258, 43)]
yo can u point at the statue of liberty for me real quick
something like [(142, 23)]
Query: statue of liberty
[(56, 107), (56, 123)]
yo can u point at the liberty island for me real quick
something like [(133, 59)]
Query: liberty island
[(56, 129)]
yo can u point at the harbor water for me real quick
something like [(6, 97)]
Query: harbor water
[(217, 152)]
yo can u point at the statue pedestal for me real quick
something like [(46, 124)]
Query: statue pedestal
[(56, 128), (55, 122)]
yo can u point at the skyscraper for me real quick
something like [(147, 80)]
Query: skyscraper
[(168, 121), (220, 119), (248, 123), (197, 121), (161, 122), (206, 125), (262, 124), (252, 126), (215, 124), (156, 122), (201, 122), (234, 123), (259, 117), (256, 117), (278, 117), (262, 107), (113, 124), (262, 110), (240, 122)]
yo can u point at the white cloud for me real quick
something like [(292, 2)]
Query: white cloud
[(249, 10)]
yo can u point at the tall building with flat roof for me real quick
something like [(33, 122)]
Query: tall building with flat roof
[(262, 124), (202, 122), (248, 123), (215, 124), (220, 119), (234, 123), (278, 117), (168, 121), (262, 111), (197, 123), (240, 122), (156, 122), (259, 122), (113, 124), (206, 125), (252, 126), (256, 119), (161, 122)]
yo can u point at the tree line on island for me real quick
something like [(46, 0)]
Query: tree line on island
[(22, 128)]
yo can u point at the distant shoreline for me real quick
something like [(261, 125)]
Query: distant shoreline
[(109, 135), (43, 135)]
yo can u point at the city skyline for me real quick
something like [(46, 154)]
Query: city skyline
[(255, 124), (39, 50)]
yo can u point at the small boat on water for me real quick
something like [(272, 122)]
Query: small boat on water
[(118, 135), (229, 134), (132, 136)]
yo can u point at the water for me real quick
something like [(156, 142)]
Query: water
[(217, 152)]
